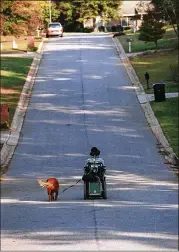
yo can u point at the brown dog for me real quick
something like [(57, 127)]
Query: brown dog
[(52, 186)]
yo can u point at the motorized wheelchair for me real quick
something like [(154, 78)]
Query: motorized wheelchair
[(94, 176)]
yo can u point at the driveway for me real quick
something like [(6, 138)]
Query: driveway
[(82, 97)]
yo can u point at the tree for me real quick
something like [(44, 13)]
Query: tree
[(9, 19), (24, 17), (107, 9), (82, 10), (151, 28), (29, 17), (86, 10), (45, 11), (66, 10), (169, 9)]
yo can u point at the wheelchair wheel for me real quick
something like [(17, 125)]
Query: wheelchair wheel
[(86, 190), (104, 192)]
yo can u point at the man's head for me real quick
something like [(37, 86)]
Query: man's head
[(94, 151)]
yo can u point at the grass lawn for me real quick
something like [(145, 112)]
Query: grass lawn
[(158, 66), (167, 115), (13, 75), (21, 43), (168, 41)]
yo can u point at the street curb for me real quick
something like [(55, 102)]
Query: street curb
[(11, 142), (165, 147)]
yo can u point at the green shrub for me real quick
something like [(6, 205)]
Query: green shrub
[(127, 28), (73, 27), (101, 28), (79, 28), (88, 29), (4, 125), (32, 48), (117, 28), (174, 72), (113, 28), (108, 28)]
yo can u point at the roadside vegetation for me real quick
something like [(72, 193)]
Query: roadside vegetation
[(167, 115), (168, 41), (160, 68), (162, 65), (13, 75), (21, 42), (25, 17)]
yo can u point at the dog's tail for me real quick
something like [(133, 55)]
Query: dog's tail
[(44, 184)]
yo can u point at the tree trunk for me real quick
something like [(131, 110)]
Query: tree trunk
[(156, 43), (94, 24)]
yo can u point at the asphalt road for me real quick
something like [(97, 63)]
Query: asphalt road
[(82, 97)]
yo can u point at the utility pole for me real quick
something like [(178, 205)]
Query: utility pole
[(50, 11)]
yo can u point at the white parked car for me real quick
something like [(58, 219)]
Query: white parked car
[(54, 29)]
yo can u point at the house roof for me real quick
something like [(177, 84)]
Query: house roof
[(128, 8)]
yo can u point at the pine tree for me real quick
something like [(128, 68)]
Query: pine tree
[(152, 28)]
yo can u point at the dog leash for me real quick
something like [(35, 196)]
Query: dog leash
[(70, 186)]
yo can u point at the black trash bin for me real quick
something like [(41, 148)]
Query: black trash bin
[(159, 92)]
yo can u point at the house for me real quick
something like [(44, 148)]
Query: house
[(130, 15)]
